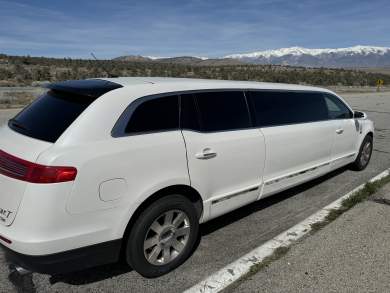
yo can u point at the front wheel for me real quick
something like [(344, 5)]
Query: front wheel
[(364, 155), (163, 236)]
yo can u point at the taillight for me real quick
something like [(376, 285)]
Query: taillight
[(17, 168)]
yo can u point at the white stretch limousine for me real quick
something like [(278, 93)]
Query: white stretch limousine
[(99, 170)]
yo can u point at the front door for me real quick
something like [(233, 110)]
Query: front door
[(345, 134)]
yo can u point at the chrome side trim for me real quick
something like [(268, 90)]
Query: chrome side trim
[(234, 195), (297, 174), (344, 157), (308, 170)]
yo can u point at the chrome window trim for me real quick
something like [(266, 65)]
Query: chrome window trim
[(120, 125)]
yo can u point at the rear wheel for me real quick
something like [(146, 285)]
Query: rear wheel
[(364, 155), (163, 236)]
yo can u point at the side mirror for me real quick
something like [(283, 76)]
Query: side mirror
[(359, 115)]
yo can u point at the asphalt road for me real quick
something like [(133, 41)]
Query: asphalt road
[(349, 255), (231, 236)]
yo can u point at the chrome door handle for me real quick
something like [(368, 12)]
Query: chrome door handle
[(339, 131), (206, 154)]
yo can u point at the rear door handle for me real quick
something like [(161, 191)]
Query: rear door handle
[(339, 131), (206, 154)]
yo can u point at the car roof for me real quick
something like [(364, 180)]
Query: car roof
[(195, 84)]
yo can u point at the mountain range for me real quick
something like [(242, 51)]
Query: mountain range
[(351, 57)]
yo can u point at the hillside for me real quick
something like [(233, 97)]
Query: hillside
[(185, 60), (22, 71)]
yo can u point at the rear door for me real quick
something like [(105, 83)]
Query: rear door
[(346, 131), (298, 136), (225, 155)]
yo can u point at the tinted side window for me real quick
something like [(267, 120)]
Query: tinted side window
[(282, 107), (220, 111), (189, 114), (157, 114), (336, 108), (50, 115)]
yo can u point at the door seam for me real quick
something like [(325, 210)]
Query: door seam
[(264, 164), (188, 166)]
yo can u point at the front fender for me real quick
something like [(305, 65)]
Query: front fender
[(365, 126)]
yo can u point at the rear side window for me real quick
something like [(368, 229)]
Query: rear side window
[(221, 111), (154, 115), (272, 108), (336, 108), (50, 115)]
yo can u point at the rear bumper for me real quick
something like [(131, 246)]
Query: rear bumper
[(67, 261)]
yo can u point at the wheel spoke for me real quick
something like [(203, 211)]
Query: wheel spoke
[(168, 218), (154, 254), (177, 245), (178, 220), (182, 231), (167, 254), (156, 227), (150, 242), (368, 150)]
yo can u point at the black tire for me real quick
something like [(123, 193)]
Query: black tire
[(135, 254), (364, 156)]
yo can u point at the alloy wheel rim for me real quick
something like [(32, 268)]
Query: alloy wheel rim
[(366, 154), (167, 237)]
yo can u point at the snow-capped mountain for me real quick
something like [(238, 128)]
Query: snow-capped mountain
[(352, 57), (357, 56)]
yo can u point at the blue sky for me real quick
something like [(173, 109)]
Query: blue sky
[(187, 27)]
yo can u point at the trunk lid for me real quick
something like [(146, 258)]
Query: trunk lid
[(11, 189)]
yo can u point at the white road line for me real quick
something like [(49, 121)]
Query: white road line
[(232, 272)]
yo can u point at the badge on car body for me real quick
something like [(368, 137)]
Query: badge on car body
[(4, 214)]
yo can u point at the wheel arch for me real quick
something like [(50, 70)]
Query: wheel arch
[(369, 133), (187, 191), (366, 129)]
